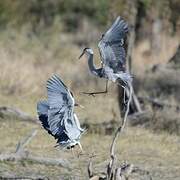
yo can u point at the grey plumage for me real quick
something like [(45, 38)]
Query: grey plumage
[(112, 53), (111, 46), (57, 114)]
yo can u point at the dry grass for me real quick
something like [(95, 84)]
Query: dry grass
[(157, 153), (27, 62), (28, 65)]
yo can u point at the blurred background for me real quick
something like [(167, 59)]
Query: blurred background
[(41, 37)]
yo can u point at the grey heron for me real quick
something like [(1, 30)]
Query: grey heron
[(57, 114), (113, 56)]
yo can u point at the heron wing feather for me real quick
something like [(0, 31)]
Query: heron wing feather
[(58, 94), (117, 31), (42, 110), (42, 107), (60, 114), (111, 46)]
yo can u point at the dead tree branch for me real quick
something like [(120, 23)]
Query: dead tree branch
[(25, 141), (14, 112), (118, 131), (25, 156), (22, 155), (12, 177), (90, 171), (158, 103)]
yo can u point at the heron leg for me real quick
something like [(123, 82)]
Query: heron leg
[(99, 92)]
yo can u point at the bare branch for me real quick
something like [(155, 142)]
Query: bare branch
[(158, 103), (48, 161), (21, 155), (25, 156), (90, 171), (25, 141), (118, 131), (11, 111), (118, 174), (13, 177)]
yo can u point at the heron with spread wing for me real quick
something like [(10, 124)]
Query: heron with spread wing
[(113, 56), (57, 114)]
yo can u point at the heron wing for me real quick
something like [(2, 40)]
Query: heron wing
[(111, 46), (61, 104), (60, 114), (73, 129), (42, 110), (58, 94)]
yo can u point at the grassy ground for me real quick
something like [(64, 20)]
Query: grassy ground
[(157, 153), (27, 62)]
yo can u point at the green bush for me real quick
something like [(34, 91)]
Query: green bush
[(43, 12)]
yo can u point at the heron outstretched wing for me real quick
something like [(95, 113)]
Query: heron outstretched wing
[(42, 110), (56, 114), (111, 46)]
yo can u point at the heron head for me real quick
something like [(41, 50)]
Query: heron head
[(86, 51), (74, 144)]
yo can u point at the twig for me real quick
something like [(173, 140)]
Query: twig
[(25, 141), (90, 171), (136, 101)]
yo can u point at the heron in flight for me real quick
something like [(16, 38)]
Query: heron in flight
[(113, 56), (57, 114)]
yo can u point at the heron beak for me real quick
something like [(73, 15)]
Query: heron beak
[(79, 144), (79, 105), (81, 54)]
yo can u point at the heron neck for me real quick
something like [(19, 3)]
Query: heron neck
[(91, 64)]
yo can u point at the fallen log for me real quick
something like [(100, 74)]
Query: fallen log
[(12, 177), (25, 156), (17, 113), (157, 103), (142, 118), (21, 155)]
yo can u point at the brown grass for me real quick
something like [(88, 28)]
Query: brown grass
[(156, 153), (27, 62)]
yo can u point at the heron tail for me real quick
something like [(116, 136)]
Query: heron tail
[(124, 77)]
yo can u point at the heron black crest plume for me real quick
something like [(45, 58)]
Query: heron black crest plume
[(57, 114)]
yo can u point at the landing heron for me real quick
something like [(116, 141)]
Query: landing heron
[(113, 56), (57, 114)]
